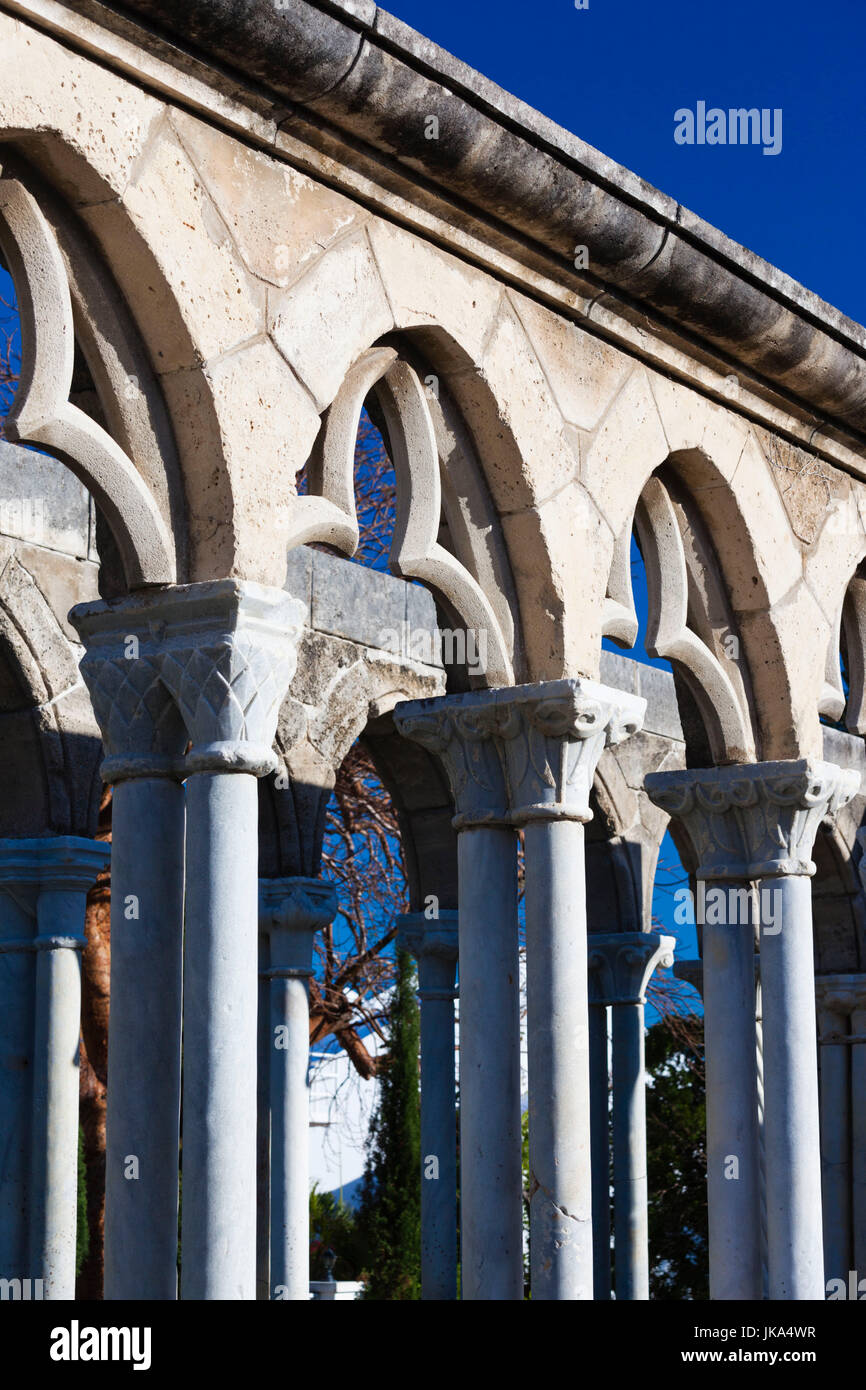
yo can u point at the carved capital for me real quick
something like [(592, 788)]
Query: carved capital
[(753, 821), (59, 864), (838, 995), (142, 732), (523, 752), (620, 964), (553, 735), (461, 731), (291, 911), (433, 941), (206, 663)]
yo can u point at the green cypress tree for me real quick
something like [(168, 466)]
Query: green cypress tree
[(390, 1209)]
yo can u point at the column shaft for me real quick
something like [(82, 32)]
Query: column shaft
[(438, 1132), (791, 1116), (490, 1172), (558, 1043), (218, 1252), (290, 1121), (733, 1156), (142, 1145), (263, 1125), (629, 1153), (17, 1010), (54, 1162), (835, 1096), (600, 1150)]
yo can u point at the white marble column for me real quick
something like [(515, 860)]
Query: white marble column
[(621, 965), (460, 730), (292, 910), (599, 1136), (225, 652), (757, 824), (553, 735), (144, 738), (835, 999), (48, 880), (433, 943)]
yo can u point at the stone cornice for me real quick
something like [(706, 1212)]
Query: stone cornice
[(345, 70)]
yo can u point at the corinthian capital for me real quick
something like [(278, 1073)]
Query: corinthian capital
[(202, 663), (461, 731), (621, 964), (524, 752), (553, 735), (757, 820)]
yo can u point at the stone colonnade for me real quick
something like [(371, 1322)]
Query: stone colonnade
[(186, 685)]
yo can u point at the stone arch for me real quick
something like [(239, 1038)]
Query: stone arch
[(377, 283), (717, 459)]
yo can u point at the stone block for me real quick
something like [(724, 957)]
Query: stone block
[(357, 604), (42, 502)]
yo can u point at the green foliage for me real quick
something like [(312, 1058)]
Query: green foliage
[(82, 1229), (676, 1168), (335, 1226), (390, 1210)]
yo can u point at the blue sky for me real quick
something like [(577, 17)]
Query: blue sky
[(615, 73)]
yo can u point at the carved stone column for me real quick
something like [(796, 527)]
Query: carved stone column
[(553, 736), (599, 1140), (836, 997), (144, 738), (692, 971), (45, 881), (758, 823), (433, 943), (460, 730), (525, 757), (225, 652), (620, 967), (292, 911)]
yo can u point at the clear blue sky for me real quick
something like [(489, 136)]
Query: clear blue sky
[(615, 73)]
